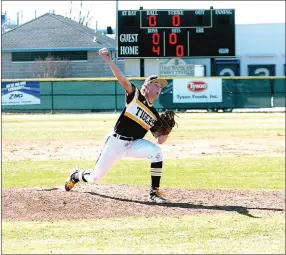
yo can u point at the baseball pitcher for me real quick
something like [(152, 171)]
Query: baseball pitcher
[(127, 137)]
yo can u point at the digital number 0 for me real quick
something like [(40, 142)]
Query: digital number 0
[(180, 51), (173, 38), (176, 20), (152, 20), (155, 38)]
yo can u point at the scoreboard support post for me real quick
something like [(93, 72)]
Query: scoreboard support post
[(142, 67), (213, 71)]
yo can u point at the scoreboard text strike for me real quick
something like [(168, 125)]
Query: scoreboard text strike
[(176, 33)]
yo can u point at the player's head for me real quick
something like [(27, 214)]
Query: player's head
[(152, 86)]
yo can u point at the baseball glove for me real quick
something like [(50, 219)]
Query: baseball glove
[(165, 123)]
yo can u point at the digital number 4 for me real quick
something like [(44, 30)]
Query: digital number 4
[(156, 49)]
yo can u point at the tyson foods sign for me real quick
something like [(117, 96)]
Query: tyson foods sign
[(197, 90), (197, 86)]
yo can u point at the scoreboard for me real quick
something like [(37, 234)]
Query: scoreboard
[(176, 33)]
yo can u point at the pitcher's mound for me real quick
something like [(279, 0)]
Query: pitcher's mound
[(113, 201)]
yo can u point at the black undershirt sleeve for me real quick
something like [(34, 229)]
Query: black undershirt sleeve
[(129, 97)]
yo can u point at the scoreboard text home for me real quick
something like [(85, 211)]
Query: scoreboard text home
[(176, 33)]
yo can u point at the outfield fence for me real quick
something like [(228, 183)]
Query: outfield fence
[(106, 94)]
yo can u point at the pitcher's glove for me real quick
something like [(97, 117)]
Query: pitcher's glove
[(165, 123)]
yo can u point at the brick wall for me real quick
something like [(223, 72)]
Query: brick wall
[(92, 68)]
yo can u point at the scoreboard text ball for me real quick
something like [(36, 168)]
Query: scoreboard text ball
[(176, 33)]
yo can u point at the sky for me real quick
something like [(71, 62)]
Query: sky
[(103, 13)]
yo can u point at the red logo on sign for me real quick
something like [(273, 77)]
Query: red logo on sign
[(197, 86)]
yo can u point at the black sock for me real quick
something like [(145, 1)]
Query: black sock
[(155, 180), (156, 171)]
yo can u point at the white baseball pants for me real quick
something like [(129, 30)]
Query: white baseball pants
[(115, 149)]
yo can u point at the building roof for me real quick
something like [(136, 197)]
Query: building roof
[(54, 32)]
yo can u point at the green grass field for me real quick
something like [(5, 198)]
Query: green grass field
[(224, 233), (239, 173), (95, 126), (201, 234)]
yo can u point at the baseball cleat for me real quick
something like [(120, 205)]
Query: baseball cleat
[(71, 180), (156, 196)]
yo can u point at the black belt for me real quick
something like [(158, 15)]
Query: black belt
[(124, 138)]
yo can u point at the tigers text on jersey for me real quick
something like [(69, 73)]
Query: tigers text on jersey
[(137, 117)]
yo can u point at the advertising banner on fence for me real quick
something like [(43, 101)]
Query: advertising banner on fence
[(197, 90), (20, 93)]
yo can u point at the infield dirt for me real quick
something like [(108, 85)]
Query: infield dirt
[(114, 201)]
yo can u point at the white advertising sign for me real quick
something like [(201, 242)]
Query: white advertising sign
[(197, 90)]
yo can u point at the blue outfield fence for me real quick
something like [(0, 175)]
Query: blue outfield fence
[(106, 94)]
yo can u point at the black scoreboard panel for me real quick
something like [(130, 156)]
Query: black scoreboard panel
[(176, 33)]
